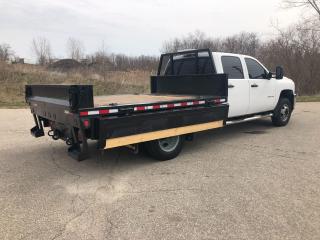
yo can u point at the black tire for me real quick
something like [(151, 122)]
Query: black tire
[(157, 149), (282, 113)]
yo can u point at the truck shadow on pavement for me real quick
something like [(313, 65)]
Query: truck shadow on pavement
[(124, 156), (228, 133), (124, 159), (107, 174)]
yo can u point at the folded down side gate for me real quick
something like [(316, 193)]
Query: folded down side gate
[(116, 132)]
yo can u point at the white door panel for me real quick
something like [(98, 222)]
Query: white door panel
[(262, 90), (238, 97), (262, 95), (238, 92)]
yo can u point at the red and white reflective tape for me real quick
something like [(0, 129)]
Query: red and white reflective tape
[(150, 107), (98, 112), (168, 106), (219, 100)]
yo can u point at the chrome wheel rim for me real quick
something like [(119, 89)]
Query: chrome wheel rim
[(169, 144), (285, 112)]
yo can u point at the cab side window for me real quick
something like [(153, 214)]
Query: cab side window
[(255, 70), (233, 67)]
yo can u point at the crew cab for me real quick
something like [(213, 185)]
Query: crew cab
[(193, 91), (253, 90)]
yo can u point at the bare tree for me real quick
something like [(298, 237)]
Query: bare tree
[(194, 40), (242, 43), (245, 43), (5, 52), (312, 4), (42, 50), (102, 60), (297, 49), (75, 49)]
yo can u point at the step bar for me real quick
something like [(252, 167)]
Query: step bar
[(256, 117)]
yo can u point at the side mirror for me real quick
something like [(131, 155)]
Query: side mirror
[(279, 73), (269, 75)]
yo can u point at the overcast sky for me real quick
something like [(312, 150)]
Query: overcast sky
[(132, 26)]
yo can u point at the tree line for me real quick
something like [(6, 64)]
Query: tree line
[(100, 60), (297, 49)]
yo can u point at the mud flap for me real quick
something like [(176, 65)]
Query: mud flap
[(79, 149), (37, 131)]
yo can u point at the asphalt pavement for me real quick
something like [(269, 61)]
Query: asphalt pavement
[(247, 181)]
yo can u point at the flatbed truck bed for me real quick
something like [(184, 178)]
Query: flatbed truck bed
[(177, 107)]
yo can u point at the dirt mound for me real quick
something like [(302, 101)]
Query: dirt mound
[(65, 65)]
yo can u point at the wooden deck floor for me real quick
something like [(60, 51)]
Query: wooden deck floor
[(126, 99)]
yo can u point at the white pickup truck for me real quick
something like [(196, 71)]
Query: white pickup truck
[(193, 91), (254, 92)]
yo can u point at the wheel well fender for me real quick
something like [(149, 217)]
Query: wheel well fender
[(289, 95)]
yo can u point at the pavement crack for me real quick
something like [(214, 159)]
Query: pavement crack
[(112, 226), (62, 231), (165, 190), (60, 167)]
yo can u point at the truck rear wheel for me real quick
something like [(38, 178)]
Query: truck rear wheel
[(282, 113), (164, 149)]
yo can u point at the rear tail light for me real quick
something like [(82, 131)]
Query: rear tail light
[(86, 123)]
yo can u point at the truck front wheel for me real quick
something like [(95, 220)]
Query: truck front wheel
[(164, 149), (282, 113)]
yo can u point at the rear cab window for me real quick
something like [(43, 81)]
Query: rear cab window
[(232, 66), (187, 64)]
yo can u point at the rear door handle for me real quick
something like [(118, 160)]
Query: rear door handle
[(254, 85), (230, 86)]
